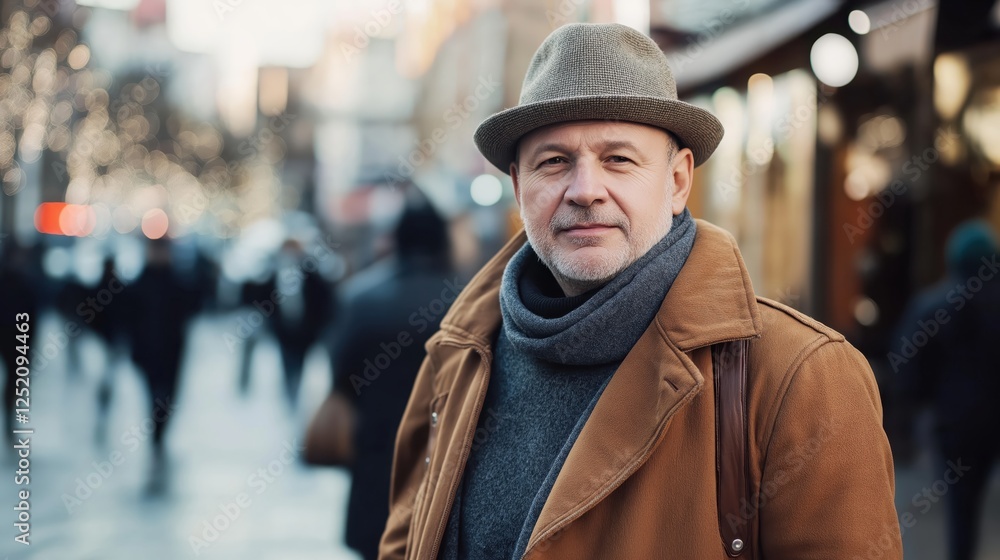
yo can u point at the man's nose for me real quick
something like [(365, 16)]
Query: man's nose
[(586, 184)]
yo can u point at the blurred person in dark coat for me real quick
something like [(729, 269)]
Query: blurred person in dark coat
[(107, 321), (389, 313), (946, 354), (70, 294), (160, 306), (300, 303), (253, 291)]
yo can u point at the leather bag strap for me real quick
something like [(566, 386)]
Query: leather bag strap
[(729, 364)]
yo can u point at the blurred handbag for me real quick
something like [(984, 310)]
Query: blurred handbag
[(330, 435)]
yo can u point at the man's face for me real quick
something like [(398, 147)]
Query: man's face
[(596, 195)]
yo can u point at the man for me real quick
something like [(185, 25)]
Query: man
[(567, 408)]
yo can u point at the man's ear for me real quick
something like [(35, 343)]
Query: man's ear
[(683, 175), (514, 179)]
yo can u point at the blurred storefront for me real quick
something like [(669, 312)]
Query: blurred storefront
[(857, 135)]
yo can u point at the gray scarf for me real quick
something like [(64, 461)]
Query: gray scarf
[(605, 327)]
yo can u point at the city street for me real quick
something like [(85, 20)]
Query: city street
[(234, 489), (220, 446)]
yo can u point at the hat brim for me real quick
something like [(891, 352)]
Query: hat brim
[(699, 130)]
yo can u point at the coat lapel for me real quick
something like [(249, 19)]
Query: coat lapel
[(651, 384), (711, 301)]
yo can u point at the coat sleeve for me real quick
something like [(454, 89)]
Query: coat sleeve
[(408, 465), (827, 485)]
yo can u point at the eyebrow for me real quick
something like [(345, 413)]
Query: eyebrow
[(606, 146)]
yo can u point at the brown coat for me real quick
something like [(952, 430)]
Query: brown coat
[(640, 482)]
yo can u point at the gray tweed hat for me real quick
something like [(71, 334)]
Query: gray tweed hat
[(604, 71)]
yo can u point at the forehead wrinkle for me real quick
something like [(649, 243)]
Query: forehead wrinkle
[(597, 144), (595, 136)]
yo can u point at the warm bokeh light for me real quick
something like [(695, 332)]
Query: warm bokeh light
[(60, 218), (47, 217), (78, 57), (866, 311), (952, 80), (76, 220), (155, 223)]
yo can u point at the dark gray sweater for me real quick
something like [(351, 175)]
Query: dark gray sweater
[(552, 359)]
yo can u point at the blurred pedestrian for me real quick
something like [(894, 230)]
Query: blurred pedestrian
[(106, 316), (377, 351), (160, 306), (300, 303), (72, 292), (609, 385), (255, 290), (946, 356)]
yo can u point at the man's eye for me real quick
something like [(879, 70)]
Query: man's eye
[(554, 160), (619, 159)]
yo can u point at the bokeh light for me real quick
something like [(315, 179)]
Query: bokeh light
[(155, 223), (834, 60)]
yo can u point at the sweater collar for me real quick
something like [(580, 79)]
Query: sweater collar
[(542, 295)]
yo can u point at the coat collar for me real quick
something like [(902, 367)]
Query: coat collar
[(712, 299)]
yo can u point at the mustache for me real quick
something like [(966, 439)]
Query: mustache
[(572, 218)]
